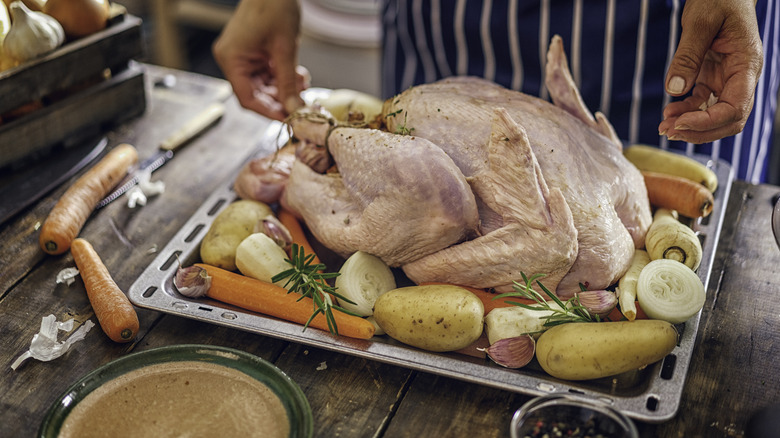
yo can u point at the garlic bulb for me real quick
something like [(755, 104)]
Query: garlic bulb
[(32, 34)]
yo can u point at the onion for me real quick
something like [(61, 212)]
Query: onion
[(79, 18), (362, 279), (669, 290)]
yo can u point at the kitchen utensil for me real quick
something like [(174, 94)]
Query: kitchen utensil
[(293, 399), (568, 413), (32, 181), (194, 127), (652, 394)]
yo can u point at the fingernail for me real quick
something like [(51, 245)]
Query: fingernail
[(676, 85), (682, 127), (662, 132), (674, 137)]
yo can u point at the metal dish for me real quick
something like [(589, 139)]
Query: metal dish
[(652, 394), (290, 394)]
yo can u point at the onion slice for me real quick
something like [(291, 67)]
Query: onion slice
[(362, 278), (669, 290)]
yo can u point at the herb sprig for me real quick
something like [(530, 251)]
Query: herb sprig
[(562, 312), (310, 280)]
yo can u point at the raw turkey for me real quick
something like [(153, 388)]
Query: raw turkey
[(474, 184)]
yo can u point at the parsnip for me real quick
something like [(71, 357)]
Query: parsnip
[(362, 279), (653, 159), (510, 322), (627, 284), (259, 257), (669, 291), (668, 238)]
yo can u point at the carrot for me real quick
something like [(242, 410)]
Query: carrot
[(687, 197), (74, 208), (114, 311), (288, 219), (272, 300), (487, 298)]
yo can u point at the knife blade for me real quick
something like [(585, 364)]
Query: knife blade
[(30, 183), (194, 127)]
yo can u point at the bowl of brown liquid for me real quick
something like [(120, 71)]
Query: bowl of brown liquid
[(182, 390)]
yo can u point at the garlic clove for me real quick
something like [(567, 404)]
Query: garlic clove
[(514, 352), (192, 281), (598, 302), (273, 228)]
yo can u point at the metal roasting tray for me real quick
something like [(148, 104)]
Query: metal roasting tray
[(652, 394)]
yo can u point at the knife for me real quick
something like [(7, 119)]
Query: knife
[(22, 187), (202, 121)]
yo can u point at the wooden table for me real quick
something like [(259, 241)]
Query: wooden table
[(733, 370)]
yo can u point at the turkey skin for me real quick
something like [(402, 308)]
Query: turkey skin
[(474, 184)]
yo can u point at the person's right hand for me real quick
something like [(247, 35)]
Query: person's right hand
[(257, 52)]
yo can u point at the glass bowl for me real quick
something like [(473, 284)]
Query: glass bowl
[(574, 415), (210, 364)]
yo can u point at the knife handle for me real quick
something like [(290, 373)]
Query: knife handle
[(193, 127)]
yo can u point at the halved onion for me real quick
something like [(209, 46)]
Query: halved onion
[(669, 290), (362, 278)]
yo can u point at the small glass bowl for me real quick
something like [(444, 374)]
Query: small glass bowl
[(571, 413)]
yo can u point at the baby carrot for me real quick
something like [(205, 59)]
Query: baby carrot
[(296, 231), (687, 197), (114, 311), (272, 300), (72, 210)]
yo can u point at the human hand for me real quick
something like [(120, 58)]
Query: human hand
[(257, 52), (720, 53)]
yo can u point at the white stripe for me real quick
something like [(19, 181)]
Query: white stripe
[(609, 45), (514, 47), (763, 125), (636, 99), (390, 49), (674, 23), (407, 46), (576, 43), (460, 39), (544, 40), (429, 68), (438, 39), (487, 41)]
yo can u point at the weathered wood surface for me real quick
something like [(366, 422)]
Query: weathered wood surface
[(733, 370)]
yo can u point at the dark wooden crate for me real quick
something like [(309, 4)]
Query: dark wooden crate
[(86, 84)]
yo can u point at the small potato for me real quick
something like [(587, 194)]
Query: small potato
[(230, 227), (592, 350), (431, 317)]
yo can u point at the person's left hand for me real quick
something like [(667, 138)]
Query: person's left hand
[(720, 53)]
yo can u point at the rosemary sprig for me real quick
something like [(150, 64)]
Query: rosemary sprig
[(311, 280), (562, 312)]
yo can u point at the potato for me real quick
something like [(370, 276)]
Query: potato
[(591, 350), (230, 227), (431, 317)]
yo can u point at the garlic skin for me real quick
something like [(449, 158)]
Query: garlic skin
[(514, 352), (273, 228), (598, 302), (32, 33), (192, 282)]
